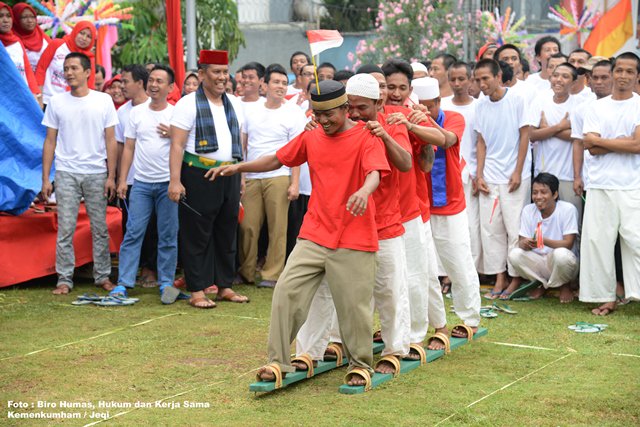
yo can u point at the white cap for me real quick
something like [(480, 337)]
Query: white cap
[(419, 66), (364, 85), (426, 88)]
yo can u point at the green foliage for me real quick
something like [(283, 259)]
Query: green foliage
[(147, 42), (350, 15)]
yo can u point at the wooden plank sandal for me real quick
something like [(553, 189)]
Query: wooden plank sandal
[(307, 360), (393, 360), (362, 373), (443, 339), (337, 350), (275, 369)]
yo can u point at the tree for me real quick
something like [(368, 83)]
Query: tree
[(350, 15), (148, 41)]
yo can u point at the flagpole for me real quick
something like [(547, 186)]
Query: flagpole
[(315, 72)]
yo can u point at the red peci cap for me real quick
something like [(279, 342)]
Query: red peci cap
[(215, 57)]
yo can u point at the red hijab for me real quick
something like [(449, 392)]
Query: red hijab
[(32, 40), (70, 40), (109, 83), (10, 37)]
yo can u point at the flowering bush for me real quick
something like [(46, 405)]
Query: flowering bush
[(416, 30)]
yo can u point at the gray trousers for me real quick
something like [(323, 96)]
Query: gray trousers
[(70, 188)]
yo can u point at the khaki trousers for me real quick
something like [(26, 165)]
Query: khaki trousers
[(552, 270), (264, 196), (566, 193), (608, 213), (350, 275)]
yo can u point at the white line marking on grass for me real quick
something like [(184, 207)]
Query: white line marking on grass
[(532, 347), (626, 355), (91, 338), (506, 386), (237, 317), (119, 414)]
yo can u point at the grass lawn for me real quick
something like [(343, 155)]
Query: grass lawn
[(208, 357)]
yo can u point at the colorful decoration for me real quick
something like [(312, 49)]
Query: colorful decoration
[(62, 15), (503, 29), (574, 23)]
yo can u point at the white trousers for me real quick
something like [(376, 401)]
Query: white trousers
[(608, 213), (500, 227), (436, 312), (553, 270), (452, 242), (390, 297), (418, 259), (473, 216)]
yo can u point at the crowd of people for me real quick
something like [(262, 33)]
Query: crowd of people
[(388, 186)]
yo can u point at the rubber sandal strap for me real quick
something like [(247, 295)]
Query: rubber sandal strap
[(393, 360), (420, 350), (307, 360), (468, 329), (337, 349), (275, 368), (442, 338), (363, 373)]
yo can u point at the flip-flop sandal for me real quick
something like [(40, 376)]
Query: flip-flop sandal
[(488, 313), (586, 327), (115, 301), (491, 294), (194, 303), (520, 299), (82, 302), (524, 289), (169, 295), (504, 308), (230, 298), (90, 297)]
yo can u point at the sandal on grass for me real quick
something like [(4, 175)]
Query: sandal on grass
[(362, 373), (504, 308), (275, 370), (589, 328), (307, 360), (393, 361), (197, 303), (336, 351), (462, 327)]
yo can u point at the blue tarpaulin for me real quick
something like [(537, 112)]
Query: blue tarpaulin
[(21, 139)]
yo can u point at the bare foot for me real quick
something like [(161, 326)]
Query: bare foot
[(446, 285), (462, 333), (436, 344), (413, 354), (385, 367), (61, 290), (227, 294), (538, 292), (566, 294), (605, 309), (356, 380), (266, 374), (106, 285), (301, 366), (500, 285), (200, 300)]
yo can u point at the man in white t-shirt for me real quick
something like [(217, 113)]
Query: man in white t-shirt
[(296, 62), (503, 173), (544, 49), (465, 104), (208, 211), (547, 244), (551, 131), (269, 127), (581, 58), (612, 135), (301, 99), (80, 131), (149, 191)]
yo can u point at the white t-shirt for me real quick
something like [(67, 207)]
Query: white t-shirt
[(151, 158), (81, 121), (468, 145), (553, 155), (586, 94), (577, 121), (34, 56), (562, 222), (184, 117), (499, 124), (612, 119), (269, 130), (291, 90), (304, 105), (537, 84), (54, 81), (249, 107), (123, 120), (16, 53)]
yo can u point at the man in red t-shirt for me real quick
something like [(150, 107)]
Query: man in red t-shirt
[(338, 237), (427, 305), (449, 222)]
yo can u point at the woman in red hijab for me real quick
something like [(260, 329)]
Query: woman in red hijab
[(15, 48), (49, 74), (25, 26), (114, 88)]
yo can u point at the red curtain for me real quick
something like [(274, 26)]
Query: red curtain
[(174, 41)]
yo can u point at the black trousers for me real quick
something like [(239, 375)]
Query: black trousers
[(208, 243), (297, 210), (149, 251)]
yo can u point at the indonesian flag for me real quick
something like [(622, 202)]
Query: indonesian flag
[(539, 238), (321, 40)]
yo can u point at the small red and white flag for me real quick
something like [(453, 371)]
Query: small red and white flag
[(321, 40), (539, 238)]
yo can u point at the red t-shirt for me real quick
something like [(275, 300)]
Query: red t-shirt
[(453, 122), (387, 196), (338, 166), (409, 202)]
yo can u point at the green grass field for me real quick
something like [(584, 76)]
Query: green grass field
[(53, 352)]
